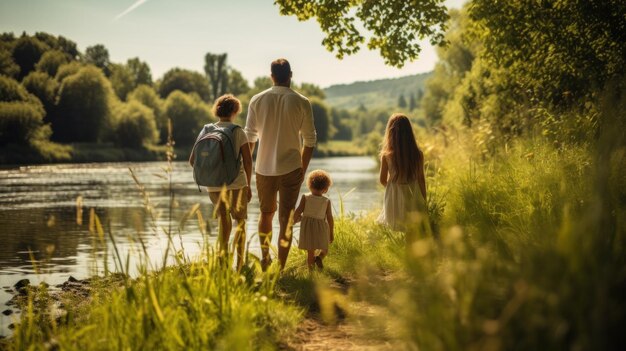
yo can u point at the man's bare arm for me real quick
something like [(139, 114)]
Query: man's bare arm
[(307, 153)]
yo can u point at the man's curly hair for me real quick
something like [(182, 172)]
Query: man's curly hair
[(319, 180)]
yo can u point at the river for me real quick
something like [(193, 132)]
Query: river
[(44, 215)]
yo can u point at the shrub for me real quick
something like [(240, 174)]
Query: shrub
[(148, 97), (19, 121), (84, 107), (51, 61), (135, 125), (188, 114)]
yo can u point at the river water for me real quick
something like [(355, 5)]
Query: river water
[(45, 211)]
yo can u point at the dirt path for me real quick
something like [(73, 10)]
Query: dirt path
[(314, 334), (353, 329)]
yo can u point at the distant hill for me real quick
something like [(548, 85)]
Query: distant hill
[(382, 93)]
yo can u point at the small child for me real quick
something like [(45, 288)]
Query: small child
[(317, 228), (402, 175), (234, 197)]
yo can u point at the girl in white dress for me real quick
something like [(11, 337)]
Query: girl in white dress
[(402, 175), (317, 228)]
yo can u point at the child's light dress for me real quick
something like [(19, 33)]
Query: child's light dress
[(314, 229), (404, 207)]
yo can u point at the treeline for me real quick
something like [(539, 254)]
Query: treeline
[(56, 101), (521, 69)]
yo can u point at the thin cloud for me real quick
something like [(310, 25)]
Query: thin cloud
[(130, 9)]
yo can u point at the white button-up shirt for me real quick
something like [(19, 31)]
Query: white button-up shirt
[(278, 118)]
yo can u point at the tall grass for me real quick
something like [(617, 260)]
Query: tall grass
[(196, 303), (530, 256)]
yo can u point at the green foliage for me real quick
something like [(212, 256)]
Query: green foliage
[(216, 70), (68, 70), (412, 102), (98, 55), (341, 123), (321, 119), (396, 26), (185, 81), (237, 84), (83, 108), (140, 71), (26, 53), (43, 87), (121, 80), (455, 60), (148, 97), (135, 125), (51, 61), (7, 66), (11, 90), (260, 84), (310, 90), (402, 102), (125, 78), (376, 94), (188, 114), (560, 51), (19, 121)]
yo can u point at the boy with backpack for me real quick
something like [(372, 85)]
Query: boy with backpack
[(222, 162)]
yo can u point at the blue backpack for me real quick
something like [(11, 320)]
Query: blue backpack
[(216, 162)]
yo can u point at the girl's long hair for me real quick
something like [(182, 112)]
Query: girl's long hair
[(400, 148)]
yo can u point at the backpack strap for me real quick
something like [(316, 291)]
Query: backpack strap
[(232, 128)]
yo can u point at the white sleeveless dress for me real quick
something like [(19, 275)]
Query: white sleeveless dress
[(314, 229), (404, 207)]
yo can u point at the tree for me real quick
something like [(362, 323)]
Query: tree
[(51, 61), (216, 70), (321, 119), (140, 72), (401, 101), (135, 125), (68, 47), (412, 103), (311, 90), (122, 80), (188, 114), (397, 26), (185, 81), (26, 53), (68, 69), (7, 66), (559, 52), (44, 88), (84, 110), (98, 55), (21, 114), (148, 97), (260, 84), (237, 84)]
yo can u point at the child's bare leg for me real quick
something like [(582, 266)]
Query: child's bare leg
[(225, 227), (310, 259), (323, 253)]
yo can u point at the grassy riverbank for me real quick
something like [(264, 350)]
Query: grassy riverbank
[(527, 253)]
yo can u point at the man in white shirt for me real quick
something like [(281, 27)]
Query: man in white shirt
[(281, 120)]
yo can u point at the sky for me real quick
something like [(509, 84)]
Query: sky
[(178, 33)]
